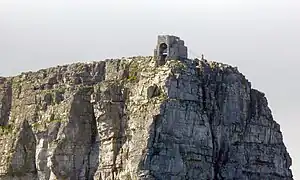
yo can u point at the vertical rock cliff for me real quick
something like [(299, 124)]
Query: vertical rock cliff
[(125, 119)]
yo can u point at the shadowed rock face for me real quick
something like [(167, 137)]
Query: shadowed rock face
[(126, 119)]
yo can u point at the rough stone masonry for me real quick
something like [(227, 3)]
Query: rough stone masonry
[(127, 119)]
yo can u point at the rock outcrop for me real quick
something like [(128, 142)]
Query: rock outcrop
[(126, 119)]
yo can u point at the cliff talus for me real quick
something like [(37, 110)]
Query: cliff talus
[(125, 119)]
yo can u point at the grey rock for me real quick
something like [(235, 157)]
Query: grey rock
[(152, 91), (128, 119)]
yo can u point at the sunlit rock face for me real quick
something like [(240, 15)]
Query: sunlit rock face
[(129, 119)]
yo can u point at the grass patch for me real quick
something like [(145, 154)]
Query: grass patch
[(133, 71), (37, 125), (56, 120), (5, 130), (163, 96), (178, 65)]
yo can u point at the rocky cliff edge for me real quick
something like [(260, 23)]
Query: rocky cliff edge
[(125, 119)]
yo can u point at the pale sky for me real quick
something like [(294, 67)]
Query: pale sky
[(260, 37)]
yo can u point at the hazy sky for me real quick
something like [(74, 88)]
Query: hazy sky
[(261, 37)]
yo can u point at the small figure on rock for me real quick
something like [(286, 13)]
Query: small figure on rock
[(202, 58)]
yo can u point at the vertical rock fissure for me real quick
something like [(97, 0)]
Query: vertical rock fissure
[(208, 111), (90, 170), (5, 103)]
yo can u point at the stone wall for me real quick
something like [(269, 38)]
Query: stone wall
[(176, 49)]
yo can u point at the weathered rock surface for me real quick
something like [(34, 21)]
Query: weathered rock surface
[(126, 119)]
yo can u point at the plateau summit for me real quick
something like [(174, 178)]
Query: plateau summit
[(161, 117)]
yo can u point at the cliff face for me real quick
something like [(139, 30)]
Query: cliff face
[(127, 119)]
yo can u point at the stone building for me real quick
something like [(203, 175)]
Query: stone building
[(169, 47)]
